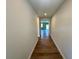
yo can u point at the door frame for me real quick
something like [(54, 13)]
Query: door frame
[(40, 24)]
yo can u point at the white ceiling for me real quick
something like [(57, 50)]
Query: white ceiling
[(45, 6)]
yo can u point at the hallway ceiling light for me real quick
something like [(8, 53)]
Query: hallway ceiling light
[(45, 14)]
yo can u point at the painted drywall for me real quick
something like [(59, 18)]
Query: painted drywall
[(21, 29), (61, 29)]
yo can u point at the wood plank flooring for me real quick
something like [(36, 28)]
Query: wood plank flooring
[(46, 49)]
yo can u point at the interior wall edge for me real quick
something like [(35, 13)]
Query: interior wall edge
[(57, 47), (33, 48)]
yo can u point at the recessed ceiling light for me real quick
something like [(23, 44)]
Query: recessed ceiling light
[(45, 14)]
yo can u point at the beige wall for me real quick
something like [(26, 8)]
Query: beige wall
[(61, 29), (21, 29)]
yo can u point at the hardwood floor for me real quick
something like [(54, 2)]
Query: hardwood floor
[(46, 49)]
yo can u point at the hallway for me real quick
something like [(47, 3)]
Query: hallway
[(46, 49), (25, 30)]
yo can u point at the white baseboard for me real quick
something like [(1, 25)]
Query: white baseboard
[(58, 48), (33, 48)]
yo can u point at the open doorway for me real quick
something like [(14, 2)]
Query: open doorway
[(44, 28)]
